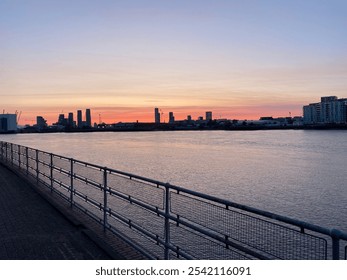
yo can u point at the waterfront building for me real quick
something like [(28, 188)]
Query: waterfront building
[(70, 120), (330, 110), (189, 118), (88, 118), (156, 115), (208, 116), (79, 119), (41, 123), (61, 120), (8, 122), (171, 117)]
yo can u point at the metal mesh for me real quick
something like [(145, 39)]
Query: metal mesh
[(142, 191), (32, 153), (201, 247), (61, 163), (88, 172), (137, 238), (275, 240), (146, 219)]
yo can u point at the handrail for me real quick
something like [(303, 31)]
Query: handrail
[(49, 173)]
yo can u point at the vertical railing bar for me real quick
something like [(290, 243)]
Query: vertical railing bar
[(167, 221), (335, 235), (2, 146), (27, 159), (37, 166), (51, 171), (71, 181), (105, 198), (19, 161), (11, 153)]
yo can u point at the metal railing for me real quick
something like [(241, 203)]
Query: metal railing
[(163, 221)]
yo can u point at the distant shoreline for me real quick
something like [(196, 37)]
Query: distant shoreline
[(167, 127)]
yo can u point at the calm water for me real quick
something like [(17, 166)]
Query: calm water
[(300, 174)]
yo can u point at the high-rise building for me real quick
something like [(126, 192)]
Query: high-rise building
[(330, 110), (156, 115), (88, 118), (8, 122), (70, 120), (61, 119), (79, 119), (208, 116), (41, 123), (171, 117)]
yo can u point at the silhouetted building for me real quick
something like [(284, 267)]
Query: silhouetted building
[(41, 123), (88, 118), (62, 120), (171, 117), (189, 118), (79, 119), (70, 120), (156, 115), (208, 116), (8, 122)]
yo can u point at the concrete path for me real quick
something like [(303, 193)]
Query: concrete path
[(31, 228)]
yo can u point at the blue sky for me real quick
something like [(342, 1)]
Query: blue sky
[(239, 58)]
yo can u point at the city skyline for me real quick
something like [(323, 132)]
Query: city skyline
[(239, 59)]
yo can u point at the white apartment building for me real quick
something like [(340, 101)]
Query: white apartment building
[(330, 110)]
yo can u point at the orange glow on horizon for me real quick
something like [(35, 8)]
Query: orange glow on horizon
[(146, 114)]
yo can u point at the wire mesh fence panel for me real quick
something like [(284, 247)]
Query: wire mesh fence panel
[(15, 155), (96, 210), (137, 238), (32, 153), (44, 167), (88, 172), (148, 220), (61, 163), (275, 240), (202, 247), (32, 166), (22, 156), (63, 190), (88, 190), (144, 191)]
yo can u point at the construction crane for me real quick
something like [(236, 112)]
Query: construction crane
[(18, 116), (161, 115)]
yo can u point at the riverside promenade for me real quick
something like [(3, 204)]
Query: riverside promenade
[(32, 228)]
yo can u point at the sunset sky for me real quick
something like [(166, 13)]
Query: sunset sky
[(238, 58)]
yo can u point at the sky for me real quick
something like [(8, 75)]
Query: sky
[(240, 59)]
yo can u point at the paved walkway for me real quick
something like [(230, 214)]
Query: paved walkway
[(31, 228)]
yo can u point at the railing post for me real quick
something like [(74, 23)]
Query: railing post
[(6, 151), (71, 182), (335, 235), (19, 161), (105, 198), (51, 172), (27, 159), (11, 153), (167, 221), (2, 152), (37, 166)]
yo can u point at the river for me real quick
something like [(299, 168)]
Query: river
[(297, 173)]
